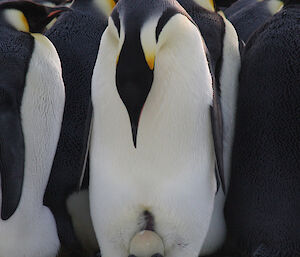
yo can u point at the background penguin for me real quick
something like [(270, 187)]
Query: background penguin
[(247, 16), (76, 36), (223, 45), (31, 108), (262, 209), (224, 3), (152, 155)]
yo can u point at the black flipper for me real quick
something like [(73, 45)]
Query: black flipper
[(217, 129), (12, 155)]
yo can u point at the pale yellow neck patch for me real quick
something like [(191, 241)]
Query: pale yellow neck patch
[(275, 6), (105, 6), (222, 14), (207, 4), (148, 41), (17, 19)]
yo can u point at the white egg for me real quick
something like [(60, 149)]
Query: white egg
[(146, 243)]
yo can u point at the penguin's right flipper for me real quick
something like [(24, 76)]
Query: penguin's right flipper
[(217, 129), (12, 155)]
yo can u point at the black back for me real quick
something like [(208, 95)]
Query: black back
[(248, 16), (263, 206), (224, 3), (15, 53), (76, 36), (238, 6)]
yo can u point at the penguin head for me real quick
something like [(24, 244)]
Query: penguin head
[(53, 3), (29, 17), (138, 31)]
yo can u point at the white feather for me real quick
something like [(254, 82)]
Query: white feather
[(31, 231)]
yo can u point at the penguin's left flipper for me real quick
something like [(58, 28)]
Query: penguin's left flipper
[(12, 154), (217, 129)]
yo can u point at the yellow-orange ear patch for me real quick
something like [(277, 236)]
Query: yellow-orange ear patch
[(105, 6), (112, 4), (25, 22), (17, 19), (150, 59), (118, 58), (207, 4)]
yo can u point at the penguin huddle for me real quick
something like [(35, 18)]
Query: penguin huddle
[(150, 128)]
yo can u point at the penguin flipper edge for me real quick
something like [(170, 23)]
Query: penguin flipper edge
[(12, 156), (217, 130)]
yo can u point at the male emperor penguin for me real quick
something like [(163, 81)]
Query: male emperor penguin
[(247, 16), (223, 45), (152, 155), (76, 36), (262, 209), (31, 108)]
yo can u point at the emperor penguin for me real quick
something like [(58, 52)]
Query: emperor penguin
[(31, 107), (248, 16), (153, 148), (262, 208), (223, 45), (76, 36)]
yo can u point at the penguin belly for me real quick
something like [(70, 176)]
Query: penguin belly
[(170, 173), (31, 231)]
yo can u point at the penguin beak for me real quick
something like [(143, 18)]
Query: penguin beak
[(38, 24), (134, 77), (53, 12)]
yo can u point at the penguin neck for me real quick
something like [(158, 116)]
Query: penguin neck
[(41, 120), (274, 6), (206, 4), (104, 6)]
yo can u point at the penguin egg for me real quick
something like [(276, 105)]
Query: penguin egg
[(146, 243)]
